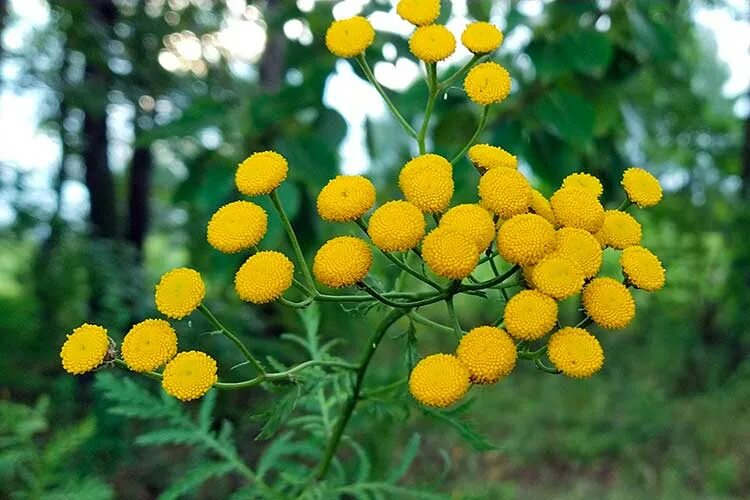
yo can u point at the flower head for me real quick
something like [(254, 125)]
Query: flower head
[(609, 303), (264, 277), (149, 345), (449, 253), (575, 352), (505, 192), (481, 37), (237, 226), (557, 277), (486, 156), (346, 198), (419, 12), (642, 188), (189, 375), (349, 37), (620, 230), (530, 314), (396, 226), (179, 292), (473, 220), (342, 261), (85, 349), (488, 352), (432, 43), (642, 268), (427, 182), (261, 173), (581, 247), (577, 207), (439, 380), (541, 206), (525, 239), (487, 83), (584, 181)]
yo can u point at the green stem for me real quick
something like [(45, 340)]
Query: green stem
[(445, 83), (625, 204), (454, 317), (371, 78), (548, 369), (477, 132), (399, 305), (297, 305), (292, 239), (428, 322), (231, 336), (431, 98), (584, 322), (495, 281)]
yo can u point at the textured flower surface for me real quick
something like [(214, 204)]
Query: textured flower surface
[(486, 156), (581, 247), (261, 173), (584, 181), (472, 220), (84, 349), (642, 188), (577, 207), (487, 83), (432, 43), (342, 261), (642, 269), (345, 198), (488, 352), (505, 192), (557, 277), (620, 230), (541, 206), (237, 226), (449, 253), (149, 345), (427, 182), (418, 12), (349, 37), (179, 292), (609, 303), (264, 277), (189, 375), (396, 226), (529, 315), (525, 239), (439, 380), (575, 352), (481, 37)]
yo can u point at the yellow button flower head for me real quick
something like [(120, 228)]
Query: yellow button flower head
[(575, 352), (620, 230), (473, 220), (349, 37), (525, 239), (527, 272), (488, 353), (237, 226), (486, 156), (427, 182), (342, 261), (396, 226), (189, 375), (505, 192), (439, 380), (179, 292), (558, 277), (530, 314), (85, 349), (264, 277), (481, 37), (642, 269), (450, 254), (541, 206), (261, 173), (419, 12), (487, 83), (346, 198), (584, 181), (577, 207), (432, 43), (642, 188), (149, 345), (581, 247), (609, 303)]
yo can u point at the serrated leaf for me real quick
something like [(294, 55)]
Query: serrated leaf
[(473, 438), (277, 415), (206, 410), (195, 477), (169, 436), (407, 457)]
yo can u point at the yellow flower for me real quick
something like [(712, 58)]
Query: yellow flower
[(85, 349), (575, 352), (530, 314), (481, 37), (577, 207), (396, 226), (609, 303), (264, 277), (488, 353), (349, 37), (642, 188), (148, 345), (557, 277), (432, 43), (179, 292), (487, 83), (346, 198), (620, 230), (450, 254), (541, 206), (419, 12), (427, 182), (525, 239), (584, 181), (642, 269), (439, 380), (342, 261), (486, 157), (505, 192), (189, 375), (237, 226), (581, 247), (473, 220), (261, 173)]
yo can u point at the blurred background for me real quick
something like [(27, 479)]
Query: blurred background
[(121, 124)]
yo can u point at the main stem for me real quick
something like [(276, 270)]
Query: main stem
[(394, 110), (433, 92), (293, 239), (231, 336)]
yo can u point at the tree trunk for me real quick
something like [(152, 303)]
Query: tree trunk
[(141, 167)]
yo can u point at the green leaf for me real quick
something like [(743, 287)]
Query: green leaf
[(407, 458), (190, 481), (453, 418), (548, 59), (587, 51), (279, 413), (412, 353), (206, 410), (568, 115)]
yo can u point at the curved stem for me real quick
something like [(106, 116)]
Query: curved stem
[(625, 204), (495, 281), (471, 62), (477, 132), (231, 336), (586, 321), (428, 322), (394, 110), (297, 305), (454, 317), (292, 239), (399, 305)]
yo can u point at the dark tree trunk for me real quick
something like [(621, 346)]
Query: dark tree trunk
[(141, 168), (272, 64)]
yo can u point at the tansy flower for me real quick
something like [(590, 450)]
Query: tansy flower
[(577, 207), (488, 353), (487, 83), (641, 187), (541, 206), (505, 192), (575, 352), (85, 349), (432, 43), (486, 156), (529, 315), (527, 275), (179, 292), (481, 37), (189, 375), (342, 261), (449, 253), (581, 247), (346, 198), (349, 37), (642, 269), (620, 230), (439, 380), (584, 181), (557, 277), (419, 12), (261, 173), (237, 226), (427, 182), (525, 239), (149, 345), (264, 277), (473, 220), (396, 226), (609, 303)]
